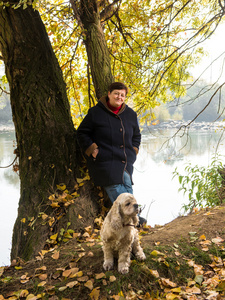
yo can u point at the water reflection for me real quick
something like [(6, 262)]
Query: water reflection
[(157, 159), (9, 195)]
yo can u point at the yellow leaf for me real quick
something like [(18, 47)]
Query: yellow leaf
[(95, 293), (89, 285), (54, 236), (61, 187), (171, 296), (42, 283), (55, 255), (31, 297), (55, 204), (77, 274), (52, 197), (156, 253), (18, 267), (202, 237), (80, 217), (100, 276), (23, 220), (79, 180), (176, 290)]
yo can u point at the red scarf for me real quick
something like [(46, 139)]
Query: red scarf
[(114, 109)]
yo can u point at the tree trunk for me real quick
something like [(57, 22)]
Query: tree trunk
[(96, 47), (46, 138)]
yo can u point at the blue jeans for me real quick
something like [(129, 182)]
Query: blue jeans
[(113, 191)]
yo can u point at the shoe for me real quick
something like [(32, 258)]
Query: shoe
[(142, 221)]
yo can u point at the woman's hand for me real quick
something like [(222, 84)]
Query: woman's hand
[(95, 153)]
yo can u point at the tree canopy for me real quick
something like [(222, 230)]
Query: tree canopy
[(151, 45)]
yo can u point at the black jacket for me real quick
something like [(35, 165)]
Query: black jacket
[(116, 136)]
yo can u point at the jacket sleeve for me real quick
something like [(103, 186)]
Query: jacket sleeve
[(136, 139), (84, 135)]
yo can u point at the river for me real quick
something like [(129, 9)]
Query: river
[(153, 185)]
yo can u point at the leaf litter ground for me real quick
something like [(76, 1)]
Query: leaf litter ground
[(185, 260)]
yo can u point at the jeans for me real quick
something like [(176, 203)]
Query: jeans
[(113, 191)]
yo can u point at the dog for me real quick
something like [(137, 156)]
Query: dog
[(119, 235)]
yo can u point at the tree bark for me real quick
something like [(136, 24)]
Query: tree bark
[(46, 138), (97, 51)]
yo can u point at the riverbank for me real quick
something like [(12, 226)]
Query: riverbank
[(173, 124)]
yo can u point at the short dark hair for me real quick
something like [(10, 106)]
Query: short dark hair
[(117, 86)]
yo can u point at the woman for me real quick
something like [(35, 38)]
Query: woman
[(110, 137)]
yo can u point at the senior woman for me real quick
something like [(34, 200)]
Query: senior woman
[(110, 137)]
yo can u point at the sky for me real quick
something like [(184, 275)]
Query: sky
[(215, 47)]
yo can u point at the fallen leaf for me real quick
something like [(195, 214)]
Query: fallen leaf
[(77, 274), (72, 284), (154, 273), (55, 255), (217, 240), (166, 282), (157, 253), (42, 283), (83, 278), (2, 270), (42, 276), (43, 268), (62, 288), (31, 297), (67, 273), (112, 278), (193, 290), (202, 237), (95, 293), (100, 276), (89, 285)]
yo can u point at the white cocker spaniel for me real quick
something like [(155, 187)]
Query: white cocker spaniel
[(119, 235)]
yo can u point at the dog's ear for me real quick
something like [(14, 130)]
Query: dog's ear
[(115, 216), (135, 220)]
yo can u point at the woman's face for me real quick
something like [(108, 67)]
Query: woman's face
[(117, 97)]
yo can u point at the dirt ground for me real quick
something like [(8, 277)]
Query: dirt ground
[(49, 274), (210, 222)]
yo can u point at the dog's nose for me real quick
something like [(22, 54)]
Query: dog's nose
[(136, 206)]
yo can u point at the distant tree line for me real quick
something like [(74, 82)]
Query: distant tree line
[(196, 100), (185, 108)]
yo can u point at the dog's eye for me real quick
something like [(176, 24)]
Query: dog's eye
[(128, 204)]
